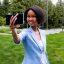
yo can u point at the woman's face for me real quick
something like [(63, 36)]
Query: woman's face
[(31, 18)]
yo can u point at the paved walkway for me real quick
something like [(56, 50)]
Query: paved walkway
[(50, 31), (4, 34)]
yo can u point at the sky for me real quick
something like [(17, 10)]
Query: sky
[(1, 0), (54, 1)]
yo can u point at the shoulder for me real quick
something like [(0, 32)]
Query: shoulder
[(23, 32), (42, 31), (25, 29)]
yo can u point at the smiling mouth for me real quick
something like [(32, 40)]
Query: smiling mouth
[(30, 22)]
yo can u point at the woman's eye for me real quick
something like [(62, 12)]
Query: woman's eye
[(28, 15), (31, 16)]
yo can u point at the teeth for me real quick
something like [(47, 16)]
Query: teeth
[(30, 22)]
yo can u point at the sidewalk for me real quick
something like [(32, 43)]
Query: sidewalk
[(53, 31), (4, 34), (49, 31)]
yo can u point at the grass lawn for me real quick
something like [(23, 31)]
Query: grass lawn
[(6, 29), (11, 53), (55, 48)]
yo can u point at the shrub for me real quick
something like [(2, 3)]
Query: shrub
[(2, 21)]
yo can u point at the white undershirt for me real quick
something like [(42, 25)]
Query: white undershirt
[(43, 56), (41, 44)]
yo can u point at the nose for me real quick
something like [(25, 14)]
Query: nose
[(30, 18)]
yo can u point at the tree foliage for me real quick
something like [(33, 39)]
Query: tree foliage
[(55, 12), (4, 8)]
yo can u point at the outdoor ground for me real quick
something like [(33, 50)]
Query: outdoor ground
[(11, 53)]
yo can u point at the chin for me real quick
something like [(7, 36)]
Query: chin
[(31, 25)]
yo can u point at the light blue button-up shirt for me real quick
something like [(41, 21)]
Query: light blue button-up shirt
[(33, 52)]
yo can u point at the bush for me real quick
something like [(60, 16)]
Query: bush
[(2, 21)]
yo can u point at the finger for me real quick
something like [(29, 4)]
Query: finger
[(15, 16), (17, 26), (14, 20), (11, 19)]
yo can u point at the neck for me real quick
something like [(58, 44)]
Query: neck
[(35, 28)]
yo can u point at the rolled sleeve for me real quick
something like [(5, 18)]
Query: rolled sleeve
[(22, 35)]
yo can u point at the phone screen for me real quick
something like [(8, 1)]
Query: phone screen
[(20, 19)]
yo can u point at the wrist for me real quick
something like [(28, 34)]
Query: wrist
[(14, 30)]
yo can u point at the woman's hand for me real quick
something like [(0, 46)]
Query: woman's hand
[(13, 27), (12, 22)]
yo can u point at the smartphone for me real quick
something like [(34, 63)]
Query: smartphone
[(20, 19)]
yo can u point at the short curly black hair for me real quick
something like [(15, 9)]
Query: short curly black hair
[(39, 13)]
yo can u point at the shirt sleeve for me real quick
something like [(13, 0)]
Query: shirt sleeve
[(22, 35)]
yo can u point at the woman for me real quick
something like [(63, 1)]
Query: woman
[(33, 38)]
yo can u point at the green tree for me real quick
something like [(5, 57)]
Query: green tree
[(60, 13), (55, 14), (21, 5), (5, 7)]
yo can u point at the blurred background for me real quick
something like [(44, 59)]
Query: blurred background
[(10, 53), (54, 11)]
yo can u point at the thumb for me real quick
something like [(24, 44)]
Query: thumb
[(17, 26)]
